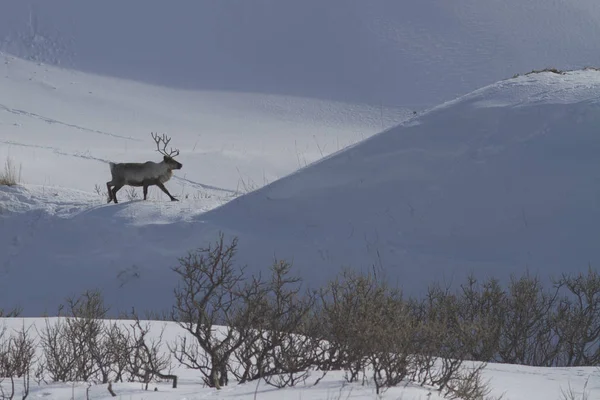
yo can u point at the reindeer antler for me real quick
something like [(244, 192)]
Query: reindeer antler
[(165, 140)]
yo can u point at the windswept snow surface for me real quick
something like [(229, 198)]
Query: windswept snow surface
[(405, 53), (500, 180), (60, 128), (64, 126), (513, 382)]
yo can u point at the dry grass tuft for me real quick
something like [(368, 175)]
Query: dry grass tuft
[(11, 174)]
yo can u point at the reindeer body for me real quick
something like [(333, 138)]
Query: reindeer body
[(135, 174), (145, 174)]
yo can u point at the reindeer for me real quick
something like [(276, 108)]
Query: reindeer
[(144, 174)]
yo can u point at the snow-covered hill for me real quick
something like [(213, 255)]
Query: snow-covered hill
[(497, 181), (406, 53)]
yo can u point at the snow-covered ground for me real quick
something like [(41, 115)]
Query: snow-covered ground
[(510, 381), (61, 127), (298, 134), (495, 182), (474, 184), (59, 123)]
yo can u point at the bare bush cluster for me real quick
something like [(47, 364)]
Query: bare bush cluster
[(270, 328), (82, 345), (359, 324), (526, 323), (262, 320), (376, 335), (278, 332), (17, 356)]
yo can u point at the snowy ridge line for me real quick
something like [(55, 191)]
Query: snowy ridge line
[(411, 120), (54, 121)]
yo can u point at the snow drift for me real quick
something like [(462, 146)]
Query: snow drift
[(417, 53), (500, 180)]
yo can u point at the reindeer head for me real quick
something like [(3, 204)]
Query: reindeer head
[(167, 157)]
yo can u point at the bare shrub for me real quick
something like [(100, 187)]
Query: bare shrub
[(100, 191), (527, 335), (445, 339), (483, 307), (467, 385), (280, 347), (59, 357), (212, 292), (523, 322), (377, 335), (11, 174), (89, 320), (577, 319), (85, 329), (266, 321), (15, 312), (392, 354), (146, 360), (80, 346), (570, 394), (21, 353), (368, 325), (17, 355), (131, 193), (349, 307), (118, 340)]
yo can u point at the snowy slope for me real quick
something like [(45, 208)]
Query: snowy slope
[(512, 381), (406, 53), (62, 127), (497, 181), (58, 122), (500, 180)]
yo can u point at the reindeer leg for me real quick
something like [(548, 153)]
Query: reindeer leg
[(114, 192), (145, 191), (108, 184), (164, 189)]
